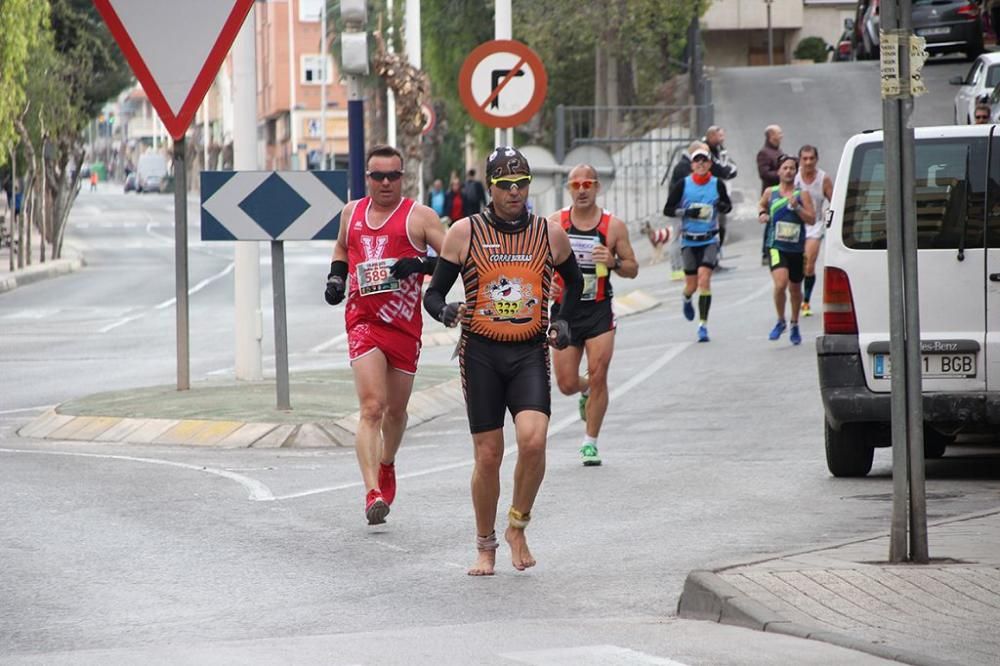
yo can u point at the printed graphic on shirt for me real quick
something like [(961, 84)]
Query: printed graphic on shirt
[(509, 299)]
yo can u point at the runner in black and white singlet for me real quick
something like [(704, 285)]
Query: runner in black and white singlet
[(601, 245), (819, 185)]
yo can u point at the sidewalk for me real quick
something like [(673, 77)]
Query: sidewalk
[(946, 612), (71, 261)]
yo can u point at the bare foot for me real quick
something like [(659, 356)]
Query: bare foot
[(520, 556), (484, 563)]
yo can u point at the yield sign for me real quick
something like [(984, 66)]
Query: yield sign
[(175, 48), (502, 83)]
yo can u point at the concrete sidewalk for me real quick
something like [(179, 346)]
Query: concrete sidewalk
[(946, 612), (70, 262)]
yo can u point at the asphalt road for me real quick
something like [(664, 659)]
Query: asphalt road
[(713, 454)]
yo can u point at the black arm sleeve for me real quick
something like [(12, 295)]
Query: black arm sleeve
[(723, 205), (428, 264), (572, 286), (338, 268), (674, 199), (445, 274)]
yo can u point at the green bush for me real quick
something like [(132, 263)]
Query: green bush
[(812, 48)]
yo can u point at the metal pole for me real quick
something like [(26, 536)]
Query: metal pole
[(246, 279), (911, 301), (504, 29), (322, 88), (413, 46), (293, 85), (770, 36), (356, 137), (390, 97), (560, 150), (280, 324), (697, 75), (181, 263)]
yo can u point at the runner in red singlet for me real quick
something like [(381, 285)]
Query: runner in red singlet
[(381, 253)]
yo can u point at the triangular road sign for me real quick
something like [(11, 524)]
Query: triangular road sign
[(175, 48)]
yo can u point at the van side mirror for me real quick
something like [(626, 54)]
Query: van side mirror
[(956, 80)]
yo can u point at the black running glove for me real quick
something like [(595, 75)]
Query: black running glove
[(450, 313), (404, 268), (559, 333), (336, 283)]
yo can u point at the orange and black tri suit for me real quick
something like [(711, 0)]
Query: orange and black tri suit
[(593, 316), (503, 351)]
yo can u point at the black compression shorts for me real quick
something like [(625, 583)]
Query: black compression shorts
[(696, 256), (590, 319), (793, 261), (499, 376)]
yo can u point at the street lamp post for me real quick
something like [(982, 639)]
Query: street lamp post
[(770, 35)]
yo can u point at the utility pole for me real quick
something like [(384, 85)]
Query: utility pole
[(354, 62), (249, 319), (293, 130), (909, 500), (413, 54), (770, 35), (322, 88)]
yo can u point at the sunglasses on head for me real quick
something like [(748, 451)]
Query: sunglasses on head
[(379, 176), (507, 182), (586, 184)]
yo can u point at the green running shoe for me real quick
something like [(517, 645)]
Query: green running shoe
[(590, 457), (583, 406)]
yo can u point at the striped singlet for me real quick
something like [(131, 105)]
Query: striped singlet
[(507, 277)]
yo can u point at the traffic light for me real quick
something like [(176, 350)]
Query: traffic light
[(354, 41)]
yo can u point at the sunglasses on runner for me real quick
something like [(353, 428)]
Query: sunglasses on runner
[(508, 182), (583, 184), (379, 176), (981, 117)]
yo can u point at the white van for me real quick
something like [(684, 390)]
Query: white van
[(150, 172), (958, 221)]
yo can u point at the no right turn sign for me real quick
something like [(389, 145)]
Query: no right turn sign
[(502, 83)]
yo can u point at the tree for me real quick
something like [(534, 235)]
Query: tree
[(22, 24)]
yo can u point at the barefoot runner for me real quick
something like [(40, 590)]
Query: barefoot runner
[(506, 256), (382, 247)]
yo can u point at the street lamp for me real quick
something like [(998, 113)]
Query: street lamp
[(354, 63), (770, 35)]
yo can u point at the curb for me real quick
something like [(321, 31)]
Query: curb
[(424, 405), (706, 596), (39, 272)]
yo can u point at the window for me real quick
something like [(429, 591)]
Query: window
[(993, 76), (949, 195), (309, 10), (312, 69)]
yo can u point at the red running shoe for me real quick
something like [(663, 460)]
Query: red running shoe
[(387, 481), (376, 508)]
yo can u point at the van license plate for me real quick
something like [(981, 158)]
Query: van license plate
[(957, 366), (933, 31)]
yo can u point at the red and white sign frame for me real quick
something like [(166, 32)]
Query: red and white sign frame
[(176, 124), (526, 57)]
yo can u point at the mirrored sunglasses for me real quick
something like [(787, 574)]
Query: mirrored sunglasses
[(508, 182), (577, 185), (379, 176)]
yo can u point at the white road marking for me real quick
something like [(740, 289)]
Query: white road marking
[(257, 490), (332, 342), (167, 303), (672, 352), (597, 655), (26, 409)]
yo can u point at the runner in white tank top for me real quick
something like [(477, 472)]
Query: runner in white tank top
[(820, 188)]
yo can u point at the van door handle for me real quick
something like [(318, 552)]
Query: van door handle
[(994, 277)]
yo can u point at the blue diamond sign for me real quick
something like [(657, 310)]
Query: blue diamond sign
[(272, 205)]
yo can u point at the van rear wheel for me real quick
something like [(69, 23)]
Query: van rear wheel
[(849, 451)]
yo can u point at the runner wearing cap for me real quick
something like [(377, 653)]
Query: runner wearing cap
[(601, 245), (506, 256), (698, 199)]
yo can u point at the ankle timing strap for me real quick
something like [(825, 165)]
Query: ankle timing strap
[(488, 542), (517, 519)]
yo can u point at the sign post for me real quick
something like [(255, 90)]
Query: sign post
[(275, 206), (176, 80)]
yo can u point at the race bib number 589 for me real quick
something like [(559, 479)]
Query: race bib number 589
[(374, 277)]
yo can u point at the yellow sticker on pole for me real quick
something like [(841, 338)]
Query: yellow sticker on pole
[(918, 55), (889, 64)]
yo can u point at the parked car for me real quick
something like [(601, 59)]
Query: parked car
[(130, 183), (976, 86), (864, 38), (150, 172), (958, 240), (949, 26), (842, 50)]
